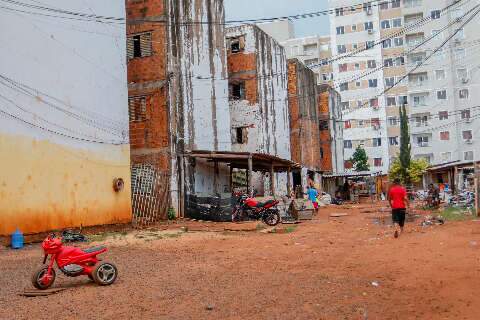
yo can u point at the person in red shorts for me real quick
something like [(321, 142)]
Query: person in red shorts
[(398, 199)]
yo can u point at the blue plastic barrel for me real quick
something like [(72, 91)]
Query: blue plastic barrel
[(17, 240)]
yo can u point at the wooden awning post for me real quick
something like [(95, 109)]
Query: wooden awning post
[(250, 171), (289, 181), (272, 180), (215, 176)]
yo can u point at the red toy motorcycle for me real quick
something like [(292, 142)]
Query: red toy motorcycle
[(73, 262), (247, 207)]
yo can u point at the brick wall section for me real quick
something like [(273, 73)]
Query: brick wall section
[(243, 66), (304, 130), (325, 137), (149, 139)]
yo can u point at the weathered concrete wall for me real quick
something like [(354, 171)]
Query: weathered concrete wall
[(198, 91), (63, 143), (262, 65), (305, 136)]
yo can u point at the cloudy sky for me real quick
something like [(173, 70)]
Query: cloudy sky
[(251, 9)]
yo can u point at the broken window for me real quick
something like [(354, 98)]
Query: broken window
[(139, 45), (323, 125), (237, 90), (237, 44), (377, 162), (240, 135), (137, 109)]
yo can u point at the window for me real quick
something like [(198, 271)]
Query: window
[(393, 121), (345, 106), (384, 5), (377, 162), (440, 74), (241, 135), (369, 25), (387, 43), (468, 156), (369, 44), (357, 66), (348, 124), (463, 93), (460, 34), (341, 49), (399, 61), (388, 63), (402, 100), (390, 82), (435, 14), (377, 142), (385, 24), (391, 101), (341, 30), (344, 86), (371, 64), (139, 45), (374, 103), (310, 49), (467, 135), (442, 95), (137, 109), (398, 42), (443, 115), (354, 46), (237, 90), (347, 144), (422, 141), (412, 3), (420, 100), (367, 7), (397, 23), (354, 27), (375, 122), (343, 67), (339, 12), (462, 73), (465, 114), (457, 13), (395, 4), (359, 104), (459, 53), (393, 141), (358, 84), (372, 83), (445, 135), (446, 156), (237, 44), (323, 125)]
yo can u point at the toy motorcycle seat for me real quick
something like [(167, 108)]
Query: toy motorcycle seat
[(93, 249)]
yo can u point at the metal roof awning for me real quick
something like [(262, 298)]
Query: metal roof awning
[(445, 166), (239, 160), (354, 174)]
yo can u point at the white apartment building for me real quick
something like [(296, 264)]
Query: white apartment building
[(312, 51), (440, 95)]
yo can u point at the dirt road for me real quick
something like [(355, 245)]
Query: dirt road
[(345, 268)]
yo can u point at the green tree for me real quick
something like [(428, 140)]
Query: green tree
[(360, 160), (413, 173), (405, 147)]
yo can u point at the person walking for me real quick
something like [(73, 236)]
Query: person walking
[(312, 194), (398, 200)]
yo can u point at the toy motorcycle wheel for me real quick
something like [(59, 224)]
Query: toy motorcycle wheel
[(272, 218), (105, 273), (37, 278)]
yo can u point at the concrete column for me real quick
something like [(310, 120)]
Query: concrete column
[(272, 180), (249, 174), (289, 181)]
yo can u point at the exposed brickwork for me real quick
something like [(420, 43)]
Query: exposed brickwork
[(149, 139), (325, 136), (243, 66), (304, 129)]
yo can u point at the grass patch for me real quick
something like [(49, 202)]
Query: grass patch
[(290, 229), (457, 214)]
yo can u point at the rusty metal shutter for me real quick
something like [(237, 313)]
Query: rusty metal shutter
[(129, 48), (146, 44)]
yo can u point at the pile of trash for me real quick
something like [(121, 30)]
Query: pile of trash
[(432, 220)]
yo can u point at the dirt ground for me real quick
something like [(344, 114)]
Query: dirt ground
[(344, 268)]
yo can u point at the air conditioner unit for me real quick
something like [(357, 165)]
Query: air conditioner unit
[(465, 80), (468, 141), (370, 31)]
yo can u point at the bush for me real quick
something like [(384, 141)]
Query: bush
[(414, 172)]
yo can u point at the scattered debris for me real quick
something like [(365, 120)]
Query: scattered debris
[(40, 293), (338, 215), (432, 220), (209, 307), (375, 284), (72, 236)]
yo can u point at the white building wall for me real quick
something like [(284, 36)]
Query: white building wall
[(63, 119)]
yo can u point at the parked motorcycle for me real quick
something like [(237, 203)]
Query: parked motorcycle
[(73, 262), (249, 208)]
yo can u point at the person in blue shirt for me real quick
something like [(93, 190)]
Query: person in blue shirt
[(312, 195)]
